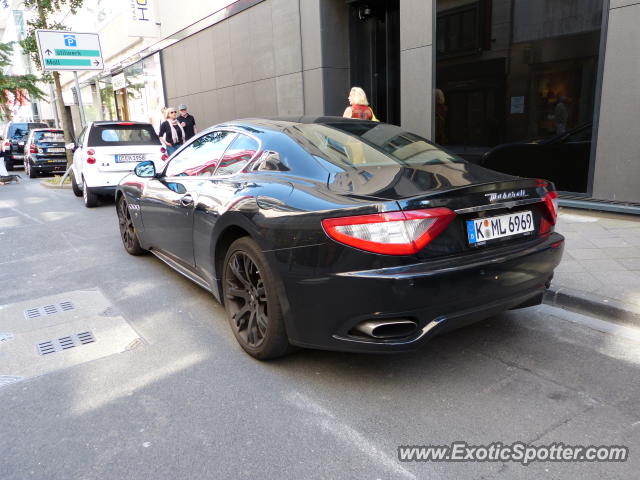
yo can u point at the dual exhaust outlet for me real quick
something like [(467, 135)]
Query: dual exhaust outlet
[(387, 329)]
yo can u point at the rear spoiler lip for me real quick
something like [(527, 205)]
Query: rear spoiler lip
[(496, 206)]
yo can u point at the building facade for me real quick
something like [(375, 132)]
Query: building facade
[(470, 74)]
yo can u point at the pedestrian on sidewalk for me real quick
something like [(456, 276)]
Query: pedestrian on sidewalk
[(187, 121), (171, 132), (359, 106)]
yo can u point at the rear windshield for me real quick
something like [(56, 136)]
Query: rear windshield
[(50, 136), (359, 144), (116, 135), (20, 130)]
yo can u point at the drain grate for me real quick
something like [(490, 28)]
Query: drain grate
[(65, 343), (50, 309)]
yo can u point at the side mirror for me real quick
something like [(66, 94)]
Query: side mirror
[(70, 146), (145, 169)]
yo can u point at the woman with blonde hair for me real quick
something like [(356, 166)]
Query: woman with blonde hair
[(171, 132), (358, 106)]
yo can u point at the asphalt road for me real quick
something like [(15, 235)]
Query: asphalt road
[(189, 403)]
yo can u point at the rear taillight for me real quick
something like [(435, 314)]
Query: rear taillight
[(551, 201), (91, 160), (550, 211), (163, 150), (91, 152), (165, 157), (393, 233), (6, 144), (33, 149)]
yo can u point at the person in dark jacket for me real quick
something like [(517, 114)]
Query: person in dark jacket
[(187, 121)]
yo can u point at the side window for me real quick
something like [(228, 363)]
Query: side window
[(239, 153), (201, 156)]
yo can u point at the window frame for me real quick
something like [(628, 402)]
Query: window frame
[(255, 155)]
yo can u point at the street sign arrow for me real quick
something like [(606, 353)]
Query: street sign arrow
[(47, 51), (96, 63)]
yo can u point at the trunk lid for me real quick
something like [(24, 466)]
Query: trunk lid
[(471, 191)]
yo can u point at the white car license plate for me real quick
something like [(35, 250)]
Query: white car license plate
[(481, 230), (55, 150), (130, 158), (20, 143)]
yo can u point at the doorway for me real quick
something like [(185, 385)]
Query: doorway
[(374, 54)]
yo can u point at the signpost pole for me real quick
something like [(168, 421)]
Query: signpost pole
[(55, 108), (80, 104)]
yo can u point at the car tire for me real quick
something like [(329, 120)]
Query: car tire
[(29, 171), (90, 198), (128, 233), (77, 191), (252, 302), (8, 164)]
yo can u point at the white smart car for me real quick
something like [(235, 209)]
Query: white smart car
[(106, 151)]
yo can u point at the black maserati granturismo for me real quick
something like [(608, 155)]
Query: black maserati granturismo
[(341, 234)]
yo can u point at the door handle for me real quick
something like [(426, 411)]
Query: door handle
[(187, 200)]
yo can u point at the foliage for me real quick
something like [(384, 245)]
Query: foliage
[(44, 9), (13, 86)]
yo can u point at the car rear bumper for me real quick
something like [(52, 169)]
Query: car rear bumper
[(439, 296), (108, 191), (46, 167)]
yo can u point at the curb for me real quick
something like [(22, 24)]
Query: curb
[(61, 187), (624, 314)]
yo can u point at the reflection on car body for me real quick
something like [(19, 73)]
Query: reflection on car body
[(562, 159)]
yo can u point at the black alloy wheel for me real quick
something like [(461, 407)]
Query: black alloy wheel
[(251, 301), (127, 229)]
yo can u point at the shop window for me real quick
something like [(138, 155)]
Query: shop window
[(516, 85), (458, 31)]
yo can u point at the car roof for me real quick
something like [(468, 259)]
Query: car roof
[(281, 123), (119, 122)]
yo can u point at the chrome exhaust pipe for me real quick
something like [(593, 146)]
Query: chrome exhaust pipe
[(388, 328)]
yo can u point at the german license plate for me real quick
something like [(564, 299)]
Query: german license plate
[(481, 230), (130, 158), (55, 150)]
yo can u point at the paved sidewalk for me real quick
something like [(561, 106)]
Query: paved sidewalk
[(600, 269)]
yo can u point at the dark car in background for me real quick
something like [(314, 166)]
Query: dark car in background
[(562, 159), (341, 234), (14, 136), (44, 152)]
